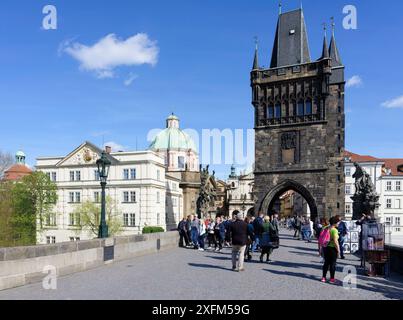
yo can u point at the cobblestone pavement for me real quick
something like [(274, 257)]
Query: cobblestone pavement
[(184, 274)]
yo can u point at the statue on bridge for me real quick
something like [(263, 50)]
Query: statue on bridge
[(207, 193), (366, 200)]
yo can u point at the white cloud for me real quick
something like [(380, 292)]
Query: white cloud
[(110, 52), (115, 146), (130, 79), (354, 81), (394, 103)]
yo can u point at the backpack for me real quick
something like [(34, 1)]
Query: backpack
[(324, 238)]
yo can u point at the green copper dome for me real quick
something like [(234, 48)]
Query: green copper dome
[(173, 138)]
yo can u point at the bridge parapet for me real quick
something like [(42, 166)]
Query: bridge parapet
[(20, 266)]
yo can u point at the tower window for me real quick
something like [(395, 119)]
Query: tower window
[(308, 107), (277, 111), (300, 109), (270, 112)]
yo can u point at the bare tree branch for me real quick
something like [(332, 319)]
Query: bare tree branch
[(6, 160)]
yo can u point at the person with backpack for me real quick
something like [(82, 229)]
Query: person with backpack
[(329, 244), (297, 226), (258, 230), (269, 238), (343, 231)]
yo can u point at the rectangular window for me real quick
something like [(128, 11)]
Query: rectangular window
[(132, 174), (348, 189), (348, 208), (398, 185), (96, 175), (133, 196), (125, 174), (158, 175), (389, 186), (158, 197), (300, 109), (72, 239), (97, 197), (132, 220), (78, 175), (51, 219), (71, 197), (158, 219), (397, 204), (397, 221), (72, 220), (126, 196), (71, 175), (277, 111), (388, 220), (54, 176), (53, 239), (389, 203), (48, 175), (308, 107), (270, 112), (50, 240), (181, 162), (78, 197), (174, 202), (125, 220)]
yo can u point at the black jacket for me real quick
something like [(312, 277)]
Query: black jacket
[(239, 233)]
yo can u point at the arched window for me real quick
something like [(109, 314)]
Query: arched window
[(181, 162), (300, 108), (270, 112), (293, 108), (277, 111), (308, 107)]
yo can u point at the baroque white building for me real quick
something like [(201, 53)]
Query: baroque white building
[(240, 193), (387, 176), (141, 192)]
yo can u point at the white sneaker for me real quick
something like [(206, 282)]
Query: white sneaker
[(201, 249)]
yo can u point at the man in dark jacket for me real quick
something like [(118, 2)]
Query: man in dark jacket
[(258, 230), (183, 233), (239, 235)]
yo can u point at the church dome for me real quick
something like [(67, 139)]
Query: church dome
[(173, 138)]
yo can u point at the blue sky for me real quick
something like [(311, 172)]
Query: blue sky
[(49, 105)]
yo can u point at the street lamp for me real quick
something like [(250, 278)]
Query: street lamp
[(243, 208), (103, 170)]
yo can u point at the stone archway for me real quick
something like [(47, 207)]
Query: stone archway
[(267, 204)]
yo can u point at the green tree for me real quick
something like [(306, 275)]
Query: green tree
[(6, 214), (88, 215), (34, 198)]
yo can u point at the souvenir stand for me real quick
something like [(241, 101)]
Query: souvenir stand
[(376, 257)]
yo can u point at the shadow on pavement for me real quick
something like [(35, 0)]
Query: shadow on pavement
[(208, 266)]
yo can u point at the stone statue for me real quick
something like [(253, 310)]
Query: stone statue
[(366, 200), (207, 193)]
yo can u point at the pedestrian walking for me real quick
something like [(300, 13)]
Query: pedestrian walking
[(343, 231), (269, 239), (257, 227), (330, 244), (251, 236), (219, 234), (189, 230), (210, 234), (183, 237), (297, 227), (239, 235), (202, 234), (195, 229)]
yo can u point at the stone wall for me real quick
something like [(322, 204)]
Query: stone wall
[(396, 258), (20, 266)]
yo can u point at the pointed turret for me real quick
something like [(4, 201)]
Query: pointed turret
[(325, 50), (334, 51), (256, 59)]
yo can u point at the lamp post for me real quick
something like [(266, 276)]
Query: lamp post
[(103, 169)]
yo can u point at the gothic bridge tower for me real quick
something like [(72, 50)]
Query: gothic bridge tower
[(299, 121)]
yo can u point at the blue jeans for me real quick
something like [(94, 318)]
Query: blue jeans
[(256, 243), (201, 241), (195, 236)]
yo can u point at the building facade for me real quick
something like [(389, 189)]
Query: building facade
[(181, 159), (240, 193), (388, 181), (299, 121), (140, 192)]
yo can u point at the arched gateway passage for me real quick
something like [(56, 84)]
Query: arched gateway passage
[(268, 202)]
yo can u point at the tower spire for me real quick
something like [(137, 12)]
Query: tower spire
[(325, 50), (256, 59), (333, 50), (280, 8)]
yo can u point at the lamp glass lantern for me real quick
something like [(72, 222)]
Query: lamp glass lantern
[(103, 165)]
